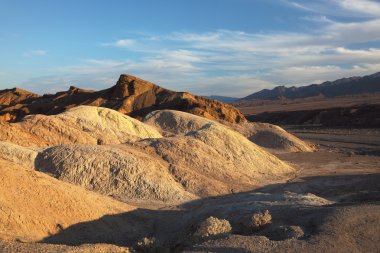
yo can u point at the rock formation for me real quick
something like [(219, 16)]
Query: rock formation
[(131, 95), (134, 161)]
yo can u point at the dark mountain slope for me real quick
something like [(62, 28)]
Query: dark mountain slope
[(223, 99), (341, 87)]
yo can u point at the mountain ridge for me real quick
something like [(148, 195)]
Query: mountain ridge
[(130, 95), (340, 87), (224, 99)]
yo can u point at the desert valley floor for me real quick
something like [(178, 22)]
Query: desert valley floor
[(78, 173), (334, 198)]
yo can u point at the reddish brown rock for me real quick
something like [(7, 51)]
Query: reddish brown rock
[(15, 95), (12, 100), (131, 95)]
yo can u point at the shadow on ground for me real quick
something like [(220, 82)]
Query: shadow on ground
[(174, 225)]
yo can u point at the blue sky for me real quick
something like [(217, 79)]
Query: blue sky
[(222, 47)]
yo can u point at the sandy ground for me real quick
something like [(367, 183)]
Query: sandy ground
[(334, 198), (341, 140), (346, 167), (346, 171), (252, 107)]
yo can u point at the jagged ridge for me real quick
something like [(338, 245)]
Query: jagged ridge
[(131, 95)]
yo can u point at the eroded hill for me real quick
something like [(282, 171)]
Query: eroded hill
[(131, 95), (113, 154)]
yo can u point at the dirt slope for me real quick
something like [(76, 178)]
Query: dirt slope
[(34, 206), (83, 124), (269, 136), (131, 95)]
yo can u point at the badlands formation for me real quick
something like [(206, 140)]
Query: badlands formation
[(113, 154), (137, 167), (104, 159), (131, 95)]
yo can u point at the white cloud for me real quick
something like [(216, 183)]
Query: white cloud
[(319, 19), (343, 8), (246, 83), (37, 52), (236, 63), (352, 32), (302, 75), (367, 7), (123, 43), (300, 6)]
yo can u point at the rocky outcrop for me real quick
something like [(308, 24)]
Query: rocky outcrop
[(131, 95), (15, 95), (13, 99)]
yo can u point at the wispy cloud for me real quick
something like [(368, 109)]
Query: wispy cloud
[(236, 63), (346, 8), (302, 75), (301, 6), (37, 52), (366, 7), (123, 43), (317, 19)]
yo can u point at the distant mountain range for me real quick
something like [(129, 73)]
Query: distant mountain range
[(341, 87), (223, 98)]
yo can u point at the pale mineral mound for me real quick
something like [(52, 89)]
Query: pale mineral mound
[(273, 137), (209, 158), (248, 158), (35, 206), (212, 161), (205, 160), (121, 171), (266, 135), (171, 122), (82, 124), (215, 160), (198, 167), (20, 155)]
